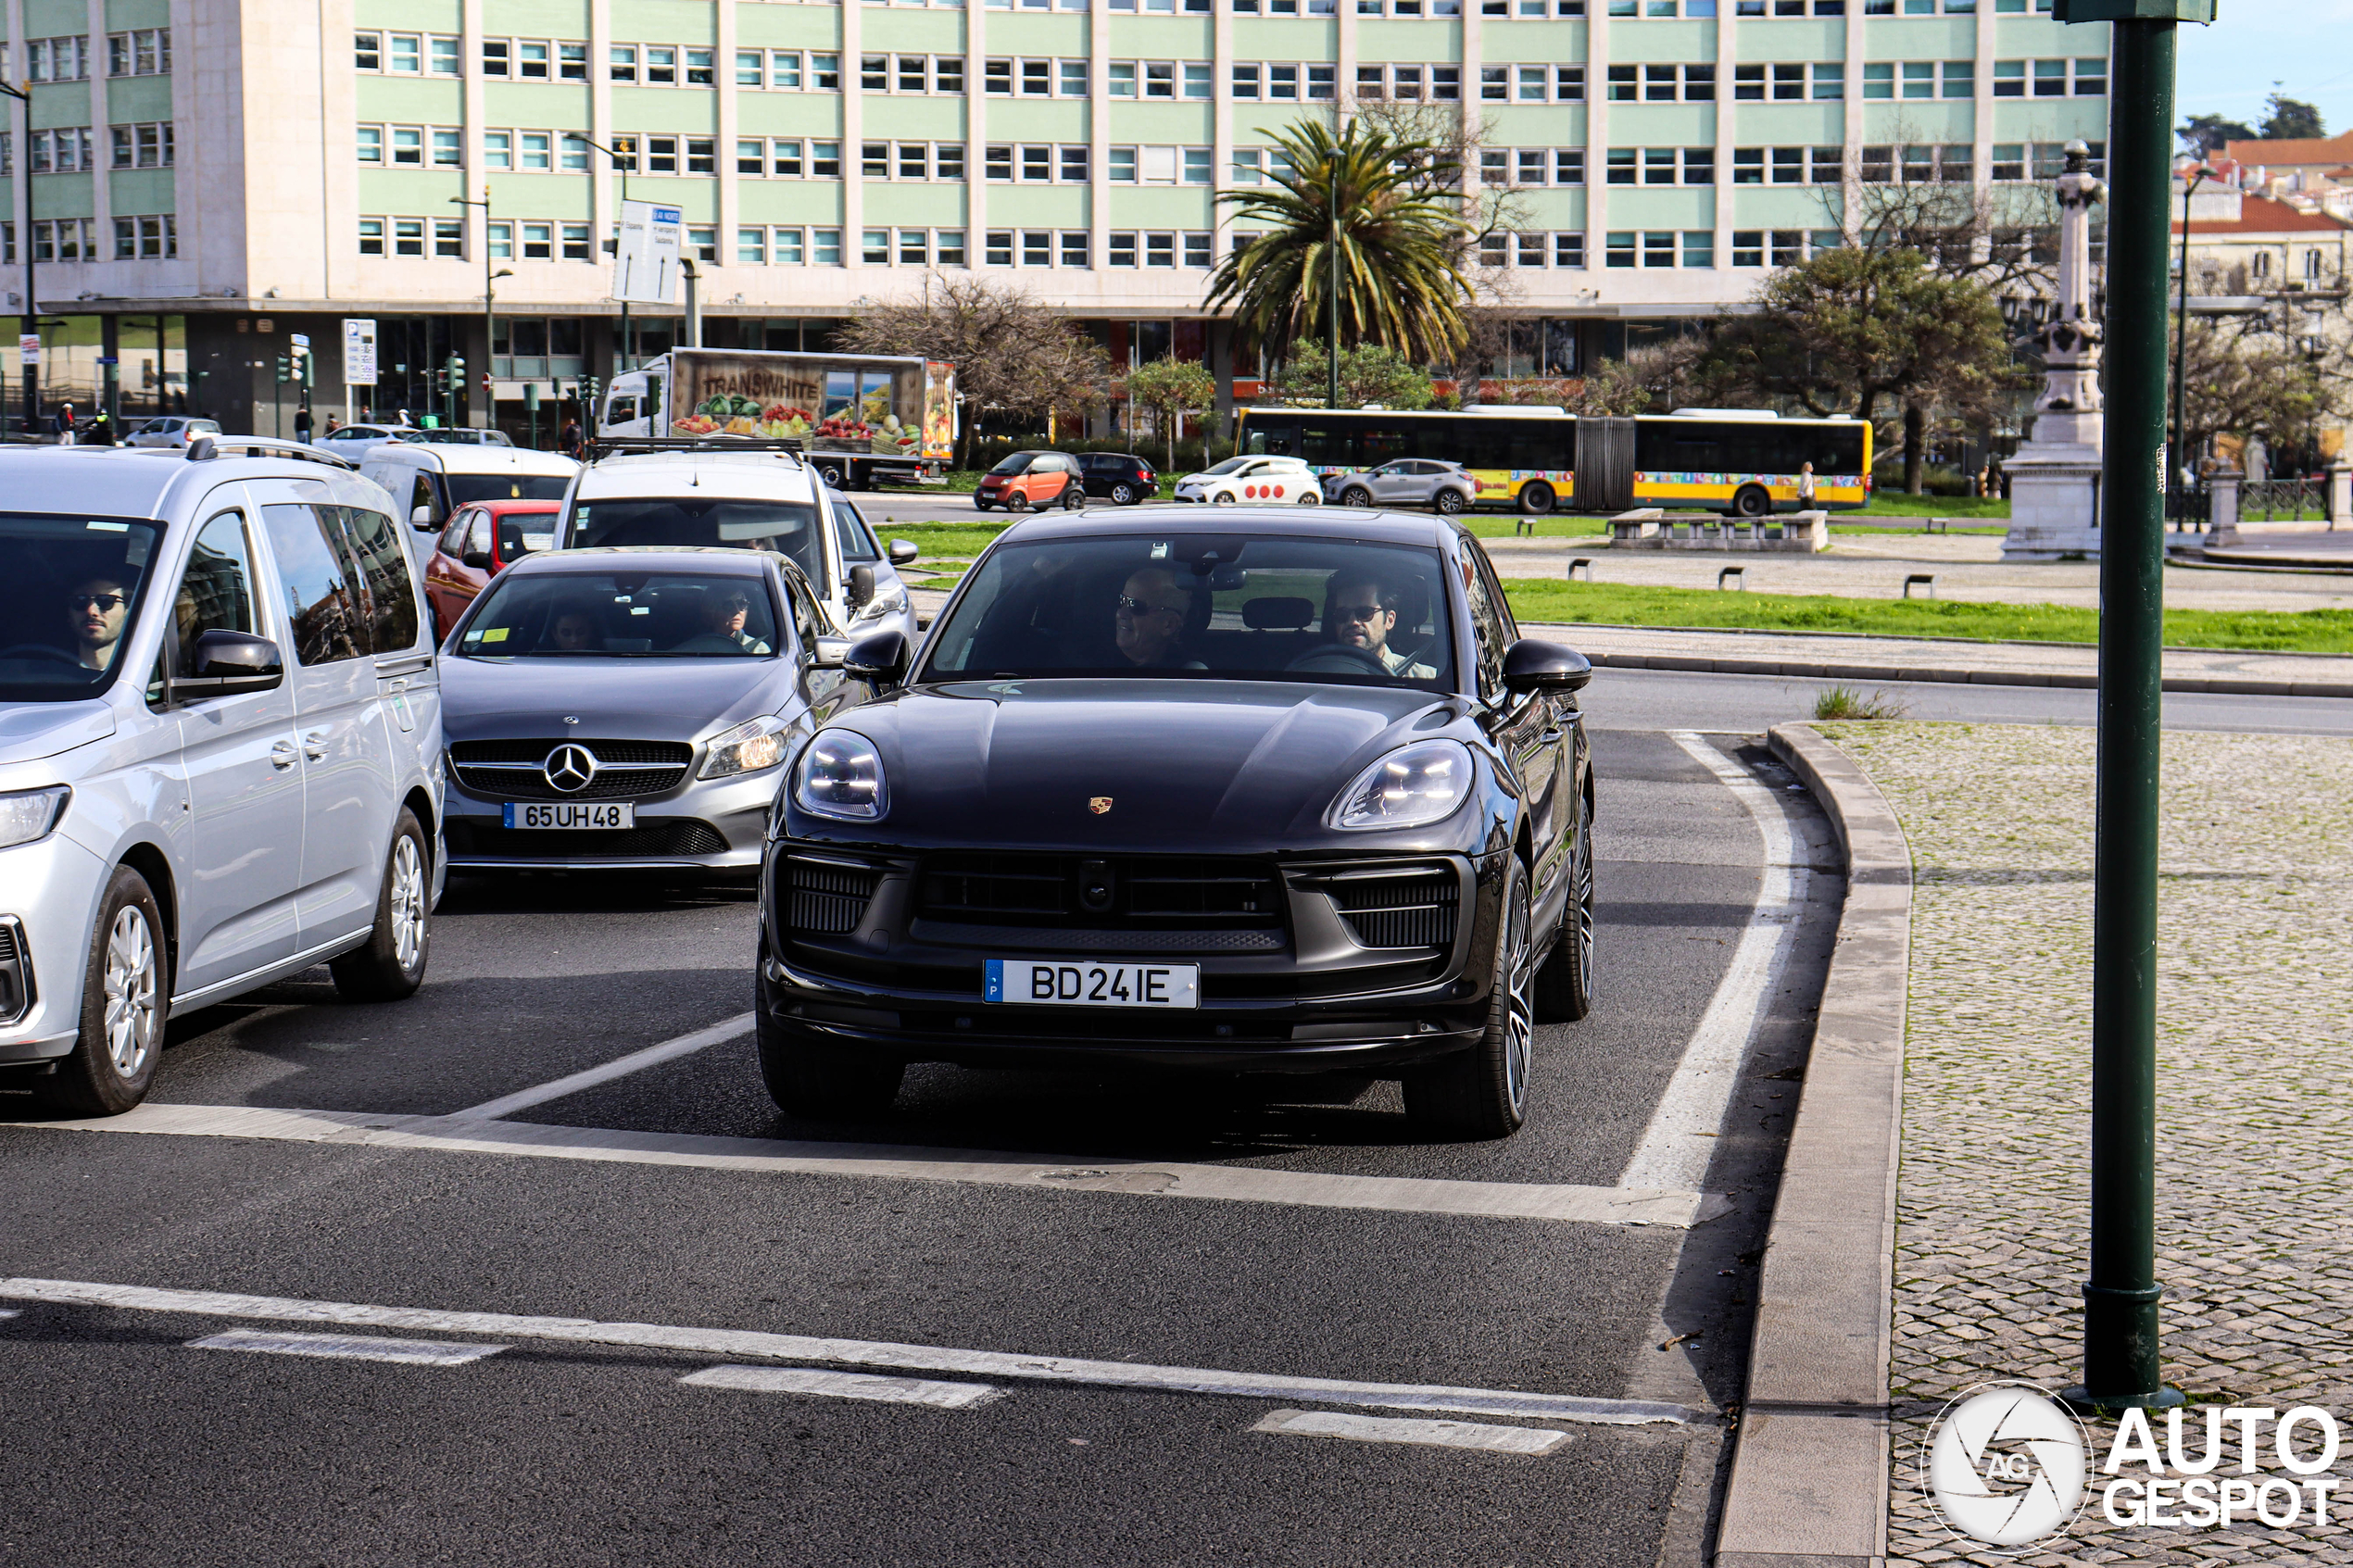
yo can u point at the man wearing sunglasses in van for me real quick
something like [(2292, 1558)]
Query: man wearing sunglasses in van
[(96, 611)]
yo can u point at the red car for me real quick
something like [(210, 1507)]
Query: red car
[(1032, 481), (481, 540)]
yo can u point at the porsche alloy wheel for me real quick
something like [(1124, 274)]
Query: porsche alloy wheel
[(1482, 1093), (1565, 986)]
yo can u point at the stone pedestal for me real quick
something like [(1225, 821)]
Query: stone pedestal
[(2054, 502), (2221, 508), (2340, 494)]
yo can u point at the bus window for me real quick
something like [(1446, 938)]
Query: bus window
[(1325, 446), (1388, 441), (1680, 446), (1837, 450), (1541, 444), (1476, 443)]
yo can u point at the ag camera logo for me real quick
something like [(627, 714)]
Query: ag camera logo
[(2005, 1466)]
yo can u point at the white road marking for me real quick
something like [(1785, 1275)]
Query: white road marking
[(1680, 1139), (348, 1348), (1433, 1433), (1409, 1194), (862, 1352), (845, 1385), (620, 1067)]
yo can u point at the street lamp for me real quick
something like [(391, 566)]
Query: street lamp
[(2179, 454), (22, 93), (489, 303), (2121, 1362), (628, 349)]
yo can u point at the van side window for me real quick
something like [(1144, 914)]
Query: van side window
[(323, 599), (216, 592), (374, 548), (422, 495), (857, 540)]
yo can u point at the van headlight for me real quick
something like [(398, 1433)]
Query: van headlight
[(841, 776), (1411, 787), (31, 815), (750, 747)]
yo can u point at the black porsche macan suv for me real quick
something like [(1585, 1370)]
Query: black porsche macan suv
[(1248, 791)]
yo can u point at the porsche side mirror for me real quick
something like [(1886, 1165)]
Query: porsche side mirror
[(903, 552), (1533, 665), (880, 657), (862, 586)]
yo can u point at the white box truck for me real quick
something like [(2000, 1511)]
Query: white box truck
[(861, 419)]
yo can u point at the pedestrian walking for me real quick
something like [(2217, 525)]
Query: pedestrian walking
[(61, 424), (1805, 488), (302, 423), (568, 439)]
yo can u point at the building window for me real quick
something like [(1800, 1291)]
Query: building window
[(1659, 247), (2050, 78), (1622, 162), (1748, 247), (1878, 81), (449, 237), (1960, 79), (1699, 165), (408, 236), (703, 242), (1077, 249), (948, 248), (1121, 250), (371, 236), (500, 238), (572, 61), (366, 52), (2091, 78), (915, 247), (700, 70), (538, 241), (496, 56), (1620, 248), (147, 52), (2010, 161), (1530, 250), (1699, 247), (825, 247), (446, 61), (531, 61), (1568, 249), (1160, 250), (576, 241), (1659, 166), (621, 62), (448, 149), (662, 66), (874, 247), (1830, 81), (1569, 166), (662, 155), (371, 144), (787, 248)]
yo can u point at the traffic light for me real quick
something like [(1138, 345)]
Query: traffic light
[(285, 368), (309, 368), (457, 372)]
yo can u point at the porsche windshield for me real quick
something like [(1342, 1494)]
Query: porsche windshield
[(787, 527), (622, 615), (1203, 607), (70, 590)]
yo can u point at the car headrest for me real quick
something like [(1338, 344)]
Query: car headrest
[(1277, 615)]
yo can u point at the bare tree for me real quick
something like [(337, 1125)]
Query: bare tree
[(1011, 353)]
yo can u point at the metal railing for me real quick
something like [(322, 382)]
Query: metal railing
[(2283, 500)]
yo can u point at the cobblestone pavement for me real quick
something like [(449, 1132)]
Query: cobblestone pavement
[(2256, 991)]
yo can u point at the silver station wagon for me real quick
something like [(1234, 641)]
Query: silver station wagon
[(220, 749)]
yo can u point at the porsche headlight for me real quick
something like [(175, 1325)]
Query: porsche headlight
[(1419, 784), (31, 815), (840, 775), (750, 747)]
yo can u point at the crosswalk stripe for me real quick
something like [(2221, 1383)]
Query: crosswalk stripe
[(1430, 1434), (845, 1385), (347, 1347)]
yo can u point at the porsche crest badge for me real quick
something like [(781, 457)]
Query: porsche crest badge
[(1099, 804)]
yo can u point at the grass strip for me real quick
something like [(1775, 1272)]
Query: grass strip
[(2311, 631)]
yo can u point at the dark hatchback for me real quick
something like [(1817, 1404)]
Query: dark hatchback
[(1121, 478), (1249, 792)]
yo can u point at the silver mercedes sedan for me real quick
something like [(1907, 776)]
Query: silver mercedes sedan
[(631, 709)]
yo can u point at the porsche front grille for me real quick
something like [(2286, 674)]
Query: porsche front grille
[(825, 896), (1409, 907), (1136, 893)]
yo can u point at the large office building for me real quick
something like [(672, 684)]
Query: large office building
[(200, 181)]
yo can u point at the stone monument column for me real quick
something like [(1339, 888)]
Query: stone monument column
[(2054, 478)]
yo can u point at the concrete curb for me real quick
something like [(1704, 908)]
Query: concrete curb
[(1810, 1475), (1827, 671)]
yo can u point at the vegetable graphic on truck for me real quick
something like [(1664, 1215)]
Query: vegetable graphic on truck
[(861, 419)]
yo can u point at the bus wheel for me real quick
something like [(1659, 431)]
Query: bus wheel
[(1536, 499), (1752, 501)]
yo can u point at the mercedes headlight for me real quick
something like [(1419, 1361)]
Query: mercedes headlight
[(750, 747), (31, 815), (841, 776), (1419, 784), (892, 603)]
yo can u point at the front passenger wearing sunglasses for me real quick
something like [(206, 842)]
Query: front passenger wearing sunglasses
[(97, 611)]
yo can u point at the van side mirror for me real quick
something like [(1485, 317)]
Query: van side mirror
[(903, 552), (862, 586), (1533, 665), (827, 653), (880, 658), (420, 517), (229, 663)]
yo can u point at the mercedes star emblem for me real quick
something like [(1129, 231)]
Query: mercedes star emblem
[(569, 768)]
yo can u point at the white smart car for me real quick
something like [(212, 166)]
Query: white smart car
[(1259, 480)]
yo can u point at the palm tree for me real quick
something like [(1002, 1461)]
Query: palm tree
[(1399, 283)]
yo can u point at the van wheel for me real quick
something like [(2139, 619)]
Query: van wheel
[(125, 993), (1537, 499), (831, 475), (392, 964), (1752, 501)]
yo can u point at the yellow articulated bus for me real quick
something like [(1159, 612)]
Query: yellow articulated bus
[(1534, 460)]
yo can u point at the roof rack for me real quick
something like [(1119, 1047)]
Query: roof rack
[(205, 447), (622, 445)]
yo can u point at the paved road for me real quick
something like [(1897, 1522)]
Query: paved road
[(1324, 1246), (1649, 699)]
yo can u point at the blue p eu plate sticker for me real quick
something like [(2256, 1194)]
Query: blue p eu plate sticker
[(996, 980)]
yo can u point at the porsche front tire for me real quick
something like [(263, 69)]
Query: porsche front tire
[(817, 1082), (1481, 1093)]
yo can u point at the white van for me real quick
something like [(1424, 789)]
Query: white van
[(428, 482), (748, 498)]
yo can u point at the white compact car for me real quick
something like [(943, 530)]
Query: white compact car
[(171, 430), (1261, 481), (221, 749)]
